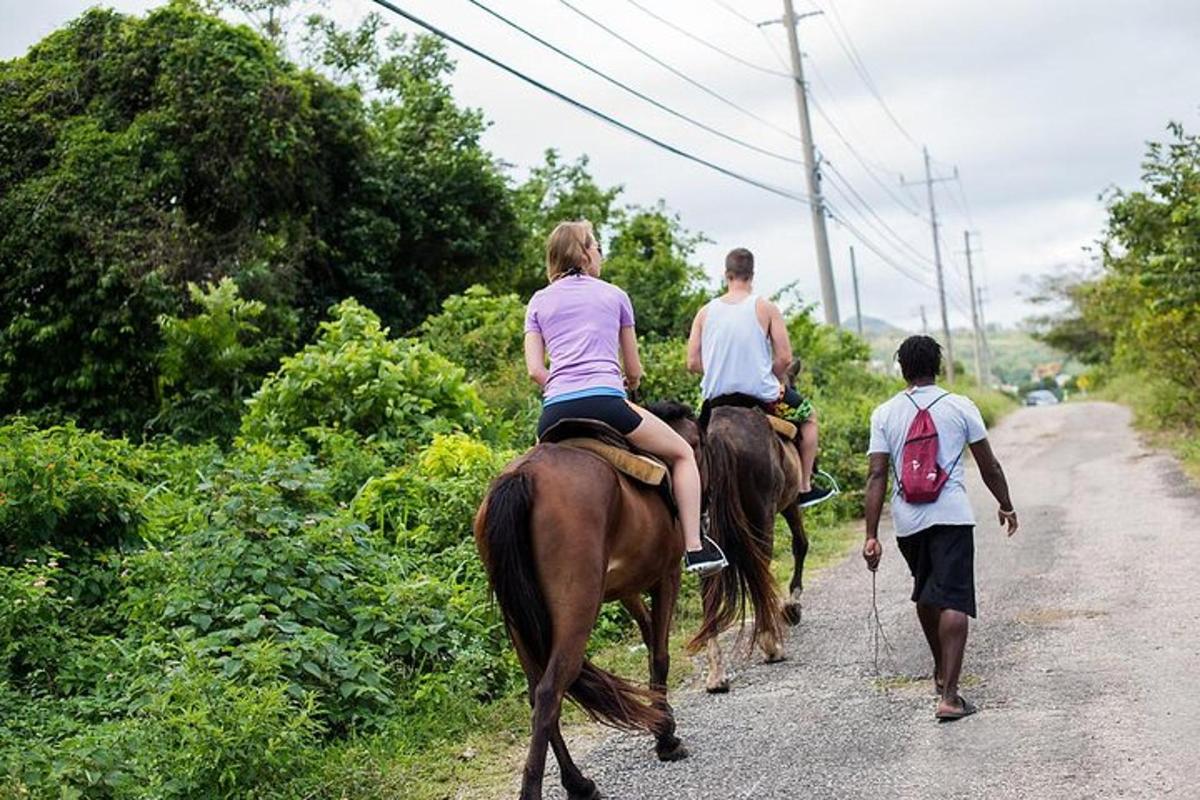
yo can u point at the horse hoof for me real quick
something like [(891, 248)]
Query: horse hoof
[(792, 613), (585, 794), (676, 752), (775, 658), (720, 687)]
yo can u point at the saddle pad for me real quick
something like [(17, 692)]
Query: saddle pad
[(640, 468), (784, 428)]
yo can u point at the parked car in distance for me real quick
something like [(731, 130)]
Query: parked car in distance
[(1040, 397)]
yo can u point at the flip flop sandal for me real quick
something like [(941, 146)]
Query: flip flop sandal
[(968, 708)]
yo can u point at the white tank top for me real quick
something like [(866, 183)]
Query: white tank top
[(735, 351)]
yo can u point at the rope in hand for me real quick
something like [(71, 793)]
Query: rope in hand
[(876, 625)]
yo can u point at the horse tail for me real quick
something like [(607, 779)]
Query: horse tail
[(748, 576), (505, 538)]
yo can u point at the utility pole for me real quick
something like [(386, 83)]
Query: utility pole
[(857, 305), (937, 261), (924, 322), (974, 312), (811, 174), (987, 349)]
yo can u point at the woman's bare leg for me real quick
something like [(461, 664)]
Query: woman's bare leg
[(655, 436)]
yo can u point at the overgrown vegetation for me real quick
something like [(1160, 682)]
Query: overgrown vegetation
[(1134, 315), (260, 336)]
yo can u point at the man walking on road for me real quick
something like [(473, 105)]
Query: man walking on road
[(935, 535)]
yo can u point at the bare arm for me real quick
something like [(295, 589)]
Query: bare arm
[(695, 363), (781, 345), (630, 360), (876, 488), (535, 358), (997, 484)]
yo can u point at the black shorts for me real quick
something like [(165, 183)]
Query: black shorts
[(941, 559), (608, 409)]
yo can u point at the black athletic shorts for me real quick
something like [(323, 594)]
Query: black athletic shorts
[(942, 561), (609, 409)]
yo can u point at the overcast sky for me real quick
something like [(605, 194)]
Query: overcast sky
[(1040, 105)]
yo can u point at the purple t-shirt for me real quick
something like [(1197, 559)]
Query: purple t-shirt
[(580, 319)]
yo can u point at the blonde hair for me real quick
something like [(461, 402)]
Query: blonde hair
[(567, 249)]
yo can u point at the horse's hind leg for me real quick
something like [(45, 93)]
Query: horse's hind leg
[(792, 606), (578, 787), (563, 667)]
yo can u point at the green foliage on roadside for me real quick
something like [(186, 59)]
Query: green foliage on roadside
[(138, 155), (1138, 312), (65, 490), (210, 362), (354, 377)]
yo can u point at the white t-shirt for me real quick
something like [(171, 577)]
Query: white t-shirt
[(959, 423)]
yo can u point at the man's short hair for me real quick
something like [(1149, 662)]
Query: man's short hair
[(920, 357), (739, 264)]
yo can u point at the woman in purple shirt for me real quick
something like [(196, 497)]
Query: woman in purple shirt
[(586, 326)]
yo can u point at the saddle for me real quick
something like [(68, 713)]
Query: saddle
[(604, 441), (785, 429)]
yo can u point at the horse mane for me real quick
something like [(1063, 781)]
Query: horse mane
[(671, 411)]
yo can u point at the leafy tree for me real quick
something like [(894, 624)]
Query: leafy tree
[(555, 191), (1071, 321), (138, 155), (649, 258)]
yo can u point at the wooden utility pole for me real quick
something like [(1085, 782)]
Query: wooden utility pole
[(811, 174), (974, 312), (937, 262)]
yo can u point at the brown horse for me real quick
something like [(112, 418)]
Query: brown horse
[(560, 532), (750, 475)]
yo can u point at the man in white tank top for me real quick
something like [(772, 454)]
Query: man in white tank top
[(739, 345)]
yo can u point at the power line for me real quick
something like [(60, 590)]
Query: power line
[(859, 157), (678, 73), (860, 204), (735, 12), (588, 109), (640, 95), (884, 256), (860, 67), (702, 41)]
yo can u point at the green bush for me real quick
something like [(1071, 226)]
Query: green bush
[(65, 489), (197, 734), (355, 378), (210, 362), (485, 333), (667, 376), (431, 503)]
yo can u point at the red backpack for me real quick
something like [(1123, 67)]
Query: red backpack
[(921, 477)]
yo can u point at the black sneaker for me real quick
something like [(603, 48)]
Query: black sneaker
[(814, 496), (709, 560)]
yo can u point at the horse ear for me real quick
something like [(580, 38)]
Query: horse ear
[(795, 367)]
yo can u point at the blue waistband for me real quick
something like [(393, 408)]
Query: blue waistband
[(594, 391)]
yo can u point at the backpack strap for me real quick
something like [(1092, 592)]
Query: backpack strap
[(940, 397)]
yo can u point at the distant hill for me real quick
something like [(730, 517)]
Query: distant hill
[(872, 326)]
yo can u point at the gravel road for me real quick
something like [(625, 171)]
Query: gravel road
[(1080, 662)]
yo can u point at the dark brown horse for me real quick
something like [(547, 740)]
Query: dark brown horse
[(750, 475), (560, 532)]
